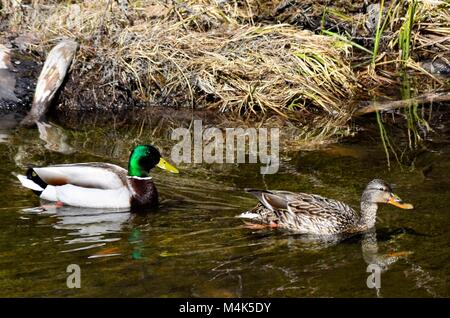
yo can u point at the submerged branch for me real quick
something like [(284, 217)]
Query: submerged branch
[(371, 107)]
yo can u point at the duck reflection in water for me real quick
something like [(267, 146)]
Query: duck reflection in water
[(86, 228)]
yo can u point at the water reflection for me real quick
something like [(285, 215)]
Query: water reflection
[(371, 255), (90, 228), (54, 137), (7, 123)]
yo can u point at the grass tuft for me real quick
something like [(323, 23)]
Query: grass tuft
[(198, 54)]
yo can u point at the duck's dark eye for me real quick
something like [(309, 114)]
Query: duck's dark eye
[(382, 189)]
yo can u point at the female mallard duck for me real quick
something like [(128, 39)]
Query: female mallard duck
[(313, 214), (100, 185)]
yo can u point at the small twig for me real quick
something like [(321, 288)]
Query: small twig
[(371, 107)]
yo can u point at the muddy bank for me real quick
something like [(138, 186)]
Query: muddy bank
[(302, 64), (18, 80), (158, 53)]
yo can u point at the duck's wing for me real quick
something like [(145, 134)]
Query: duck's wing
[(87, 175), (313, 213), (269, 202), (271, 199), (306, 213)]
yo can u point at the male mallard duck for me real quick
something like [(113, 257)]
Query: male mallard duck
[(313, 214), (100, 185)]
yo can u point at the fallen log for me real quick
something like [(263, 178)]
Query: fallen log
[(52, 76)]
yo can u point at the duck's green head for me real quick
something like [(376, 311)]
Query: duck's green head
[(143, 158)]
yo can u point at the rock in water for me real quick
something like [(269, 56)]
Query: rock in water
[(437, 66), (51, 77), (7, 78)]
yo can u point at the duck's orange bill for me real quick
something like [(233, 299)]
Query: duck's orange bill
[(396, 201)]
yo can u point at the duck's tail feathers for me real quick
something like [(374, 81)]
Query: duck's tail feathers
[(258, 193), (32, 181), (271, 200), (30, 184)]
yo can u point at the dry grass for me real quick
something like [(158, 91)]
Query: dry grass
[(408, 40), (199, 54), (429, 29), (431, 35), (236, 56)]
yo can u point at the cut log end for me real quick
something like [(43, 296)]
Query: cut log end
[(52, 76)]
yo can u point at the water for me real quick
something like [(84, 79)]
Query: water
[(195, 247)]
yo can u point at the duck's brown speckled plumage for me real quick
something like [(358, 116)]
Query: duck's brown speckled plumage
[(314, 214), (307, 213)]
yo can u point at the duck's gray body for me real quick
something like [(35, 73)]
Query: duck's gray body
[(93, 185)]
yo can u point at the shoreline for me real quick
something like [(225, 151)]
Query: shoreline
[(239, 69)]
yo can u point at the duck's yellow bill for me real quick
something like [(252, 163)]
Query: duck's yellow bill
[(163, 164), (396, 201)]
